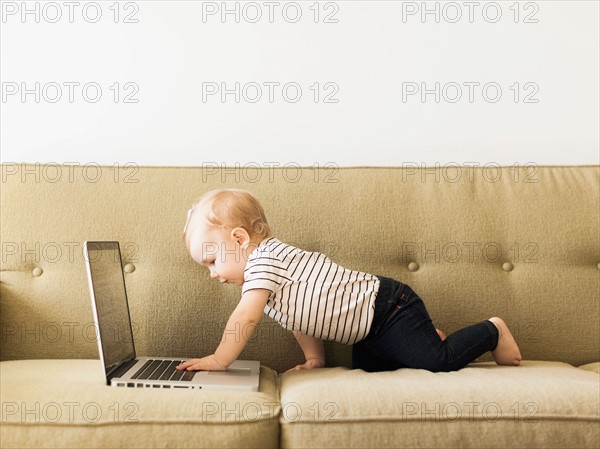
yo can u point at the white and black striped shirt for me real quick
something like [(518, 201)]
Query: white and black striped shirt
[(311, 293)]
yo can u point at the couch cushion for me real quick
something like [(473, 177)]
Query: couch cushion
[(536, 404), (65, 403), (594, 367)]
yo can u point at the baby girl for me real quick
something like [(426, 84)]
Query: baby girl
[(384, 320)]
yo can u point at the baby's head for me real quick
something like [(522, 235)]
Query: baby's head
[(223, 227)]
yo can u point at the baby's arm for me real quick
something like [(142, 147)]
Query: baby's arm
[(313, 351), (238, 330)]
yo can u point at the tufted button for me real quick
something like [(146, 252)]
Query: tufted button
[(413, 266), (37, 271), (507, 266), (599, 265), (129, 268)]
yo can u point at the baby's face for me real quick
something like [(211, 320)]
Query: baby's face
[(217, 250)]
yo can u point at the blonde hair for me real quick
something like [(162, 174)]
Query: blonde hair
[(230, 208)]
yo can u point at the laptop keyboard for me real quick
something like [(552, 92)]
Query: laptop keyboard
[(163, 370), (122, 369)]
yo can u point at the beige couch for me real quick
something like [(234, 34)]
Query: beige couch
[(522, 244)]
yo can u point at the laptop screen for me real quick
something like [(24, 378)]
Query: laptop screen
[(105, 273)]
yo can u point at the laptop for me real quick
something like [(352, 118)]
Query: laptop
[(122, 367)]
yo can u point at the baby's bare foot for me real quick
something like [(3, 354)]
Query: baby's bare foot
[(507, 352)]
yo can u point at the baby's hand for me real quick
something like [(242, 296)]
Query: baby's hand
[(310, 364), (208, 363)]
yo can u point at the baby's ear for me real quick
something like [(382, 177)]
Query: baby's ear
[(241, 236)]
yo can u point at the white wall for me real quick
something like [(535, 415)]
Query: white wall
[(369, 55)]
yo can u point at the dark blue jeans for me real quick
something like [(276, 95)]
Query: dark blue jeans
[(402, 335)]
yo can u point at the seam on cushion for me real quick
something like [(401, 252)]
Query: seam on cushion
[(397, 418), (280, 414), (366, 419), (278, 387), (275, 417), (278, 418), (199, 167), (137, 423)]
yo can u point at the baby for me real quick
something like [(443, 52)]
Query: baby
[(384, 320)]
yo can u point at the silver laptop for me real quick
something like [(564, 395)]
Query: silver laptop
[(122, 367)]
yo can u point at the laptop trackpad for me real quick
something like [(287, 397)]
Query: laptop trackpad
[(232, 372)]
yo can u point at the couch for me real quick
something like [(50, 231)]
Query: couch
[(518, 242)]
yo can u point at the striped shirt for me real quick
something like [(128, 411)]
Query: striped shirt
[(311, 293)]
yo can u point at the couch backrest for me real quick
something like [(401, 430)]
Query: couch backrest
[(473, 242)]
